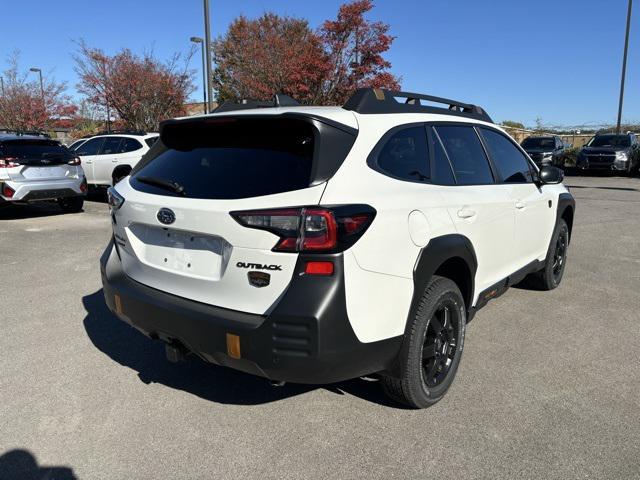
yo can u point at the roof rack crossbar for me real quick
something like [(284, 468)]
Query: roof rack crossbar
[(279, 100), (377, 100)]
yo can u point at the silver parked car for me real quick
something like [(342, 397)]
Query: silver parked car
[(36, 168)]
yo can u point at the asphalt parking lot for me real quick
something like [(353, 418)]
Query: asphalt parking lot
[(549, 385)]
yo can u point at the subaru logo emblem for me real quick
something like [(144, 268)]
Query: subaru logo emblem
[(166, 216)]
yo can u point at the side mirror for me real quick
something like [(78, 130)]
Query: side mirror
[(550, 175)]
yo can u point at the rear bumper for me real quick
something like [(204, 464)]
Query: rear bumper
[(307, 337), (32, 191)]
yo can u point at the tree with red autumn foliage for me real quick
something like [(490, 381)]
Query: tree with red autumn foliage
[(141, 90), (272, 54), (354, 46), (24, 106), (257, 58)]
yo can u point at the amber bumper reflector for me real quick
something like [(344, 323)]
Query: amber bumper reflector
[(233, 345), (118, 302)]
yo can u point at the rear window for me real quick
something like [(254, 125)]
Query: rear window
[(150, 141), (610, 141), (34, 149), (230, 158), (539, 142)]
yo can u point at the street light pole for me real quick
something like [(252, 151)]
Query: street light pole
[(624, 66), (207, 47), (204, 71), (39, 72), (2, 85)]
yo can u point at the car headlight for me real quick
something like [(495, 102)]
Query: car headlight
[(622, 156)]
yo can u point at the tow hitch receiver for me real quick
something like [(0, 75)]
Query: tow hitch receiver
[(175, 353)]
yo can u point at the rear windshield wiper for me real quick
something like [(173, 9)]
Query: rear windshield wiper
[(167, 185)]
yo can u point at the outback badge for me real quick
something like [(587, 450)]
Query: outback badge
[(259, 279)]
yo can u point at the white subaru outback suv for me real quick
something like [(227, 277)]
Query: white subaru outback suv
[(35, 168), (109, 158), (318, 244)]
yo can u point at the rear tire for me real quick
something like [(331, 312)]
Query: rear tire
[(551, 275), (71, 204), (432, 348)]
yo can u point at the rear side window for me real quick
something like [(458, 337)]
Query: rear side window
[(111, 145), (229, 158), (150, 141), (511, 164), (34, 149), (463, 147), (441, 173), (405, 155), (130, 145), (90, 147)]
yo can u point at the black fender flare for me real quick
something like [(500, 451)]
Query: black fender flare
[(566, 200), (434, 255)]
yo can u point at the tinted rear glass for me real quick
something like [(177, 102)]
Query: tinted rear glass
[(539, 142), (150, 141), (610, 141), (27, 149), (231, 158)]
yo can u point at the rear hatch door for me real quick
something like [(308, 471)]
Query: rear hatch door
[(37, 159), (175, 232)]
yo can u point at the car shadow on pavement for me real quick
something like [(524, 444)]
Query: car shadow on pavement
[(22, 465), (20, 212), (132, 349)]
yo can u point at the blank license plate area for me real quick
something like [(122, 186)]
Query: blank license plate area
[(36, 173), (185, 253)]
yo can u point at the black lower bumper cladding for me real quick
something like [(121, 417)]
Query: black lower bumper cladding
[(36, 195), (307, 338)]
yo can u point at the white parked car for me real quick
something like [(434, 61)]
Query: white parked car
[(107, 159), (36, 168), (318, 244)]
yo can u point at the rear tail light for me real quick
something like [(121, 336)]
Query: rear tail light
[(9, 162), (7, 191), (114, 199), (75, 161), (311, 229), (83, 186)]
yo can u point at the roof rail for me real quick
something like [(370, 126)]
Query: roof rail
[(377, 100), (33, 133), (279, 100), (117, 132)]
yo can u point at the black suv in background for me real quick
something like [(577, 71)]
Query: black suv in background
[(547, 150), (610, 151)]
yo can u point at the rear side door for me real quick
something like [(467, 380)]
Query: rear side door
[(130, 152), (480, 208), (88, 152), (532, 205), (107, 160)]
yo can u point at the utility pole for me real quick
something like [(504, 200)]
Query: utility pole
[(2, 85), (207, 45), (204, 71), (624, 66)]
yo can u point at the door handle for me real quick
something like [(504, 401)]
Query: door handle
[(520, 205), (466, 213)]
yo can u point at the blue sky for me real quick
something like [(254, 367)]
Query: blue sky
[(520, 59)]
